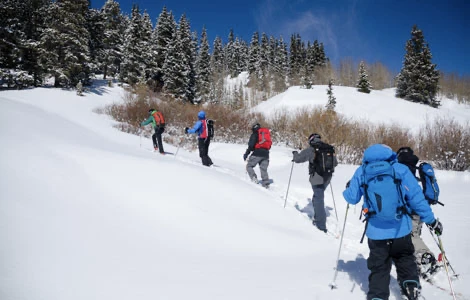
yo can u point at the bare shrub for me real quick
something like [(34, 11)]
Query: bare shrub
[(442, 141), (446, 143)]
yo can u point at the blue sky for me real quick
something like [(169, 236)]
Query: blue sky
[(370, 30)]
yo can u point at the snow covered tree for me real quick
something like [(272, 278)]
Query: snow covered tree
[(253, 56), (178, 68), (164, 32), (295, 59), (263, 76), (203, 68), (11, 33), (21, 24), (281, 66), (132, 58), (95, 26), (148, 65), (64, 48), (418, 78), (331, 104), (217, 67), (113, 38), (363, 83)]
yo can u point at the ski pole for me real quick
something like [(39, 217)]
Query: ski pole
[(445, 264), (179, 145), (288, 185), (140, 135), (334, 203), (448, 262), (333, 284)]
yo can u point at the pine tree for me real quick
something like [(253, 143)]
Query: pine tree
[(132, 59), (418, 78), (164, 32), (253, 56), (331, 105), (148, 64), (178, 69), (113, 38), (263, 76), (64, 48), (281, 66), (217, 67), (363, 83), (296, 59), (203, 68), (21, 23), (96, 28)]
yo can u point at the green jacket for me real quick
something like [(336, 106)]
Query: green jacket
[(149, 120)]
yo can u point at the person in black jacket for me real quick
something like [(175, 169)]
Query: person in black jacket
[(426, 260), (318, 181), (259, 156)]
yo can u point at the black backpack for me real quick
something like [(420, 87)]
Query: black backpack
[(210, 128), (324, 161)]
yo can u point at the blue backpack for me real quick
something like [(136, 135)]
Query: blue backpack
[(429, 182), (383, 192)]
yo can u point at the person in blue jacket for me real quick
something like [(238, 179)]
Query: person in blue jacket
[(200, 127), (391, 240)]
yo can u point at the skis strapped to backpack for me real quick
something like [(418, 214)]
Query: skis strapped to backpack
[(429, 183), (383, 193)]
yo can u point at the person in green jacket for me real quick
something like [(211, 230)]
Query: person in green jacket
[(158, 123)]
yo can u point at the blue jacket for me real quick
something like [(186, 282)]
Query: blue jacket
[(414, 198), (197, 128)]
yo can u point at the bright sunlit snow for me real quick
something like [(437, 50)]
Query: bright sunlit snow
[(378, 107), (86, 213)]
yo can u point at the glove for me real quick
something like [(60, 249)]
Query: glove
[(186, 130), (436, 226), (432, 202), (245, 156), (294, 153), (348, 183)]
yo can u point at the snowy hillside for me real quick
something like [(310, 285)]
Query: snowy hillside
[(86, 213), (376, 107)]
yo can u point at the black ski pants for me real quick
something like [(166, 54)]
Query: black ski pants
[(157, 137), (203, 145), (382, 253)]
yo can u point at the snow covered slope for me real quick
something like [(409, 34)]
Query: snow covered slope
[(376, 107), (85, 213)]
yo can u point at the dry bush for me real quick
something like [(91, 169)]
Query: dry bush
[(455, 86), (446, 143)]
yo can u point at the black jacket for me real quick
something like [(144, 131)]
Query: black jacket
[(251, 146)]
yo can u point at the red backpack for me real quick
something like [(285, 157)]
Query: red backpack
[(264, 139), (159, 120)]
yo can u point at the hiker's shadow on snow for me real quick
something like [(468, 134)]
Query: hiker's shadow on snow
[(359, 275), (310, 211)]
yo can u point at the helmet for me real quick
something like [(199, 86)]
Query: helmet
[(255, 126), (151, 110), (201, 115), (314, 138)]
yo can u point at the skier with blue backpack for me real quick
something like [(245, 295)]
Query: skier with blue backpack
[(390, 193), (426, 260)]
